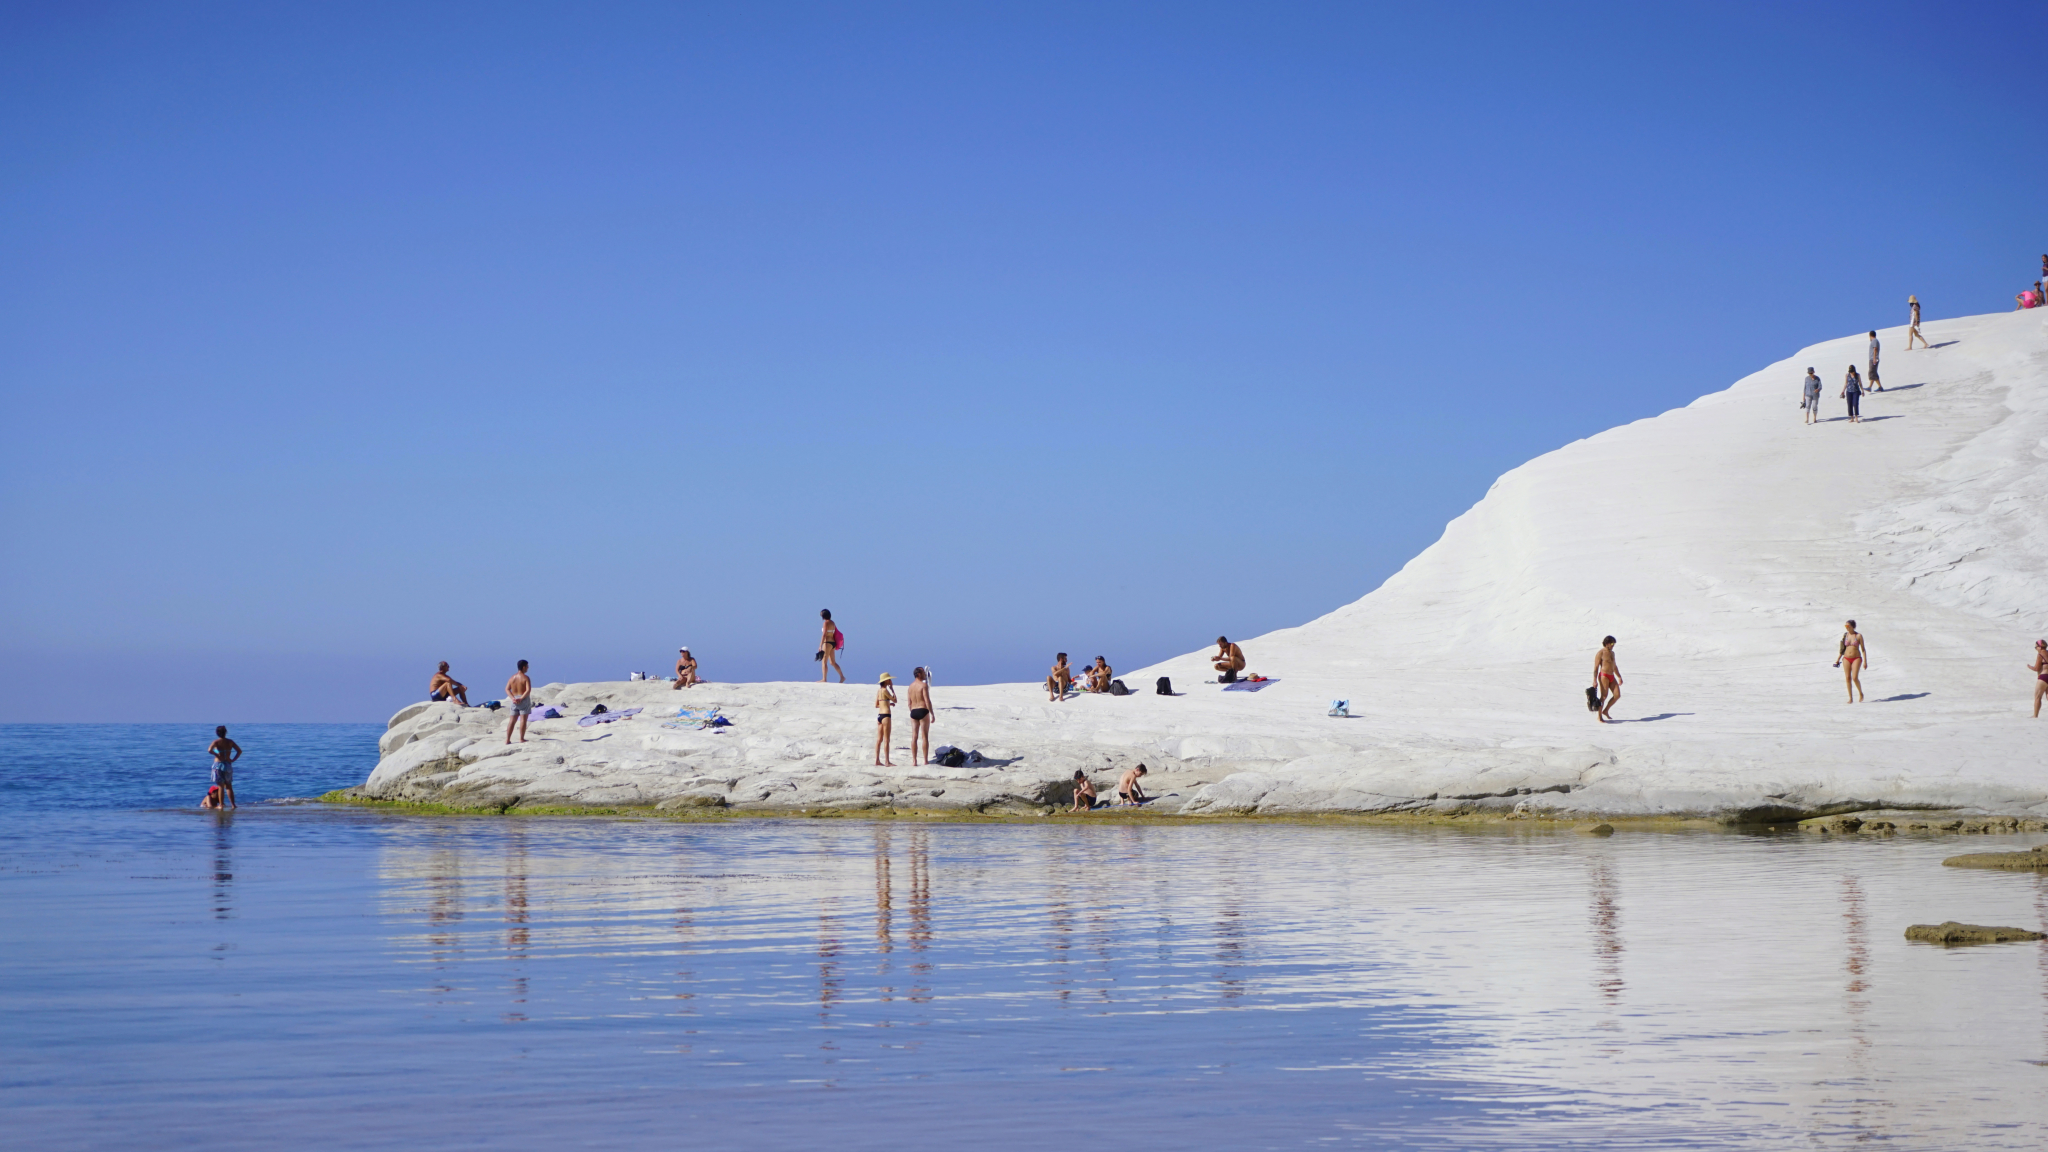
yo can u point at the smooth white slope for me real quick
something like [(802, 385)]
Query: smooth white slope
[(1724, 543)]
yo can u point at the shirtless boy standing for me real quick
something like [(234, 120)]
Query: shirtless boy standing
[(1228, 661), (1084, 793), (1606, 679), (885, 707), (224, 752), (446, 687), (1062, 678), (518, 697), (1128, 790), (1852, 658), (920, 714)]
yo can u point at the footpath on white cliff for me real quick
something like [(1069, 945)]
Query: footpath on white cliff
[(1723, 543)]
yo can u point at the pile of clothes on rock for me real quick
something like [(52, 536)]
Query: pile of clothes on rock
[(698, 719)]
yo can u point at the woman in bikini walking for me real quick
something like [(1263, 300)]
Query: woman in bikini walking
[(828, 648), (2040, 670), (1852, 657)]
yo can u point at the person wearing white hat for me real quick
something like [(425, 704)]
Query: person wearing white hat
[(1913, 325), (885, 704), (686, 668)]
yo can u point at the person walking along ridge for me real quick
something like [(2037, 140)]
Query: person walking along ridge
[(1852, 657), (1852, 391), (1913, 325), (1875, 385), (1811, 397), (828, 648), (1606, 679)]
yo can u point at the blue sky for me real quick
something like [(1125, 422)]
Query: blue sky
[(338, 340)]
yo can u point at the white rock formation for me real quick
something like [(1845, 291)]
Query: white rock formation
[(1724, 543)]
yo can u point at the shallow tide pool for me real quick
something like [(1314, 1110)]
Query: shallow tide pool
[(340, 978)]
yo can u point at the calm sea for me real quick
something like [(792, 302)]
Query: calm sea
[(297, 976)]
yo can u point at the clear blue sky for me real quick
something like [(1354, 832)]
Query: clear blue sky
[(336, 340)]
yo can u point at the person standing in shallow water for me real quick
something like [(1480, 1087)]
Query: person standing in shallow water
[(828, 648), (1812, 394), (920, 714), (1606, 679), (2040, 670), (1852, 657), (224, 752), (885, 707), (1852, 391)]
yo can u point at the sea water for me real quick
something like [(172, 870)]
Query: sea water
[(301, 975)]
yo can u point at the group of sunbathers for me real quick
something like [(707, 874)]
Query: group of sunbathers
[(1097, 677), (1128, 791)]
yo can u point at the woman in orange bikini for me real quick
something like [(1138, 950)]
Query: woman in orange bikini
[(2040, 670), (1852, 658)]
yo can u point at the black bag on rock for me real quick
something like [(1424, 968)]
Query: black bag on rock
[(1165, 686)]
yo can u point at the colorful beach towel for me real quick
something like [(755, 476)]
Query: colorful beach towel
[(1248, 685), (607, 717)]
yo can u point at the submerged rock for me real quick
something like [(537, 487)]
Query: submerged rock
[(2034, 860), (1595, 829), (1952, 933)]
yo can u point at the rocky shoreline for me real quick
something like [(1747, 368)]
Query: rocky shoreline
[(794, 749)]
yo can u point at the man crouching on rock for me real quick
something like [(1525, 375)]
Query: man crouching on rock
[(1128, 790)]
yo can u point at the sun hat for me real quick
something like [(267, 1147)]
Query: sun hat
[(1912, 299), (886, 678)]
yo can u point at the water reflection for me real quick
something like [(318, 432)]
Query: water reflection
[(1736, 1014), (223, 864)]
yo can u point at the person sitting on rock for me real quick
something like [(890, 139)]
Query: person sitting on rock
[(1099, 675), (686, 669), (1062, 678), (1228, 661), (446, 687), (1128, 790), (1084, 793)]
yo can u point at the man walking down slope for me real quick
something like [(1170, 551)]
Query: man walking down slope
[(1876, 385), (1812, 397)]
